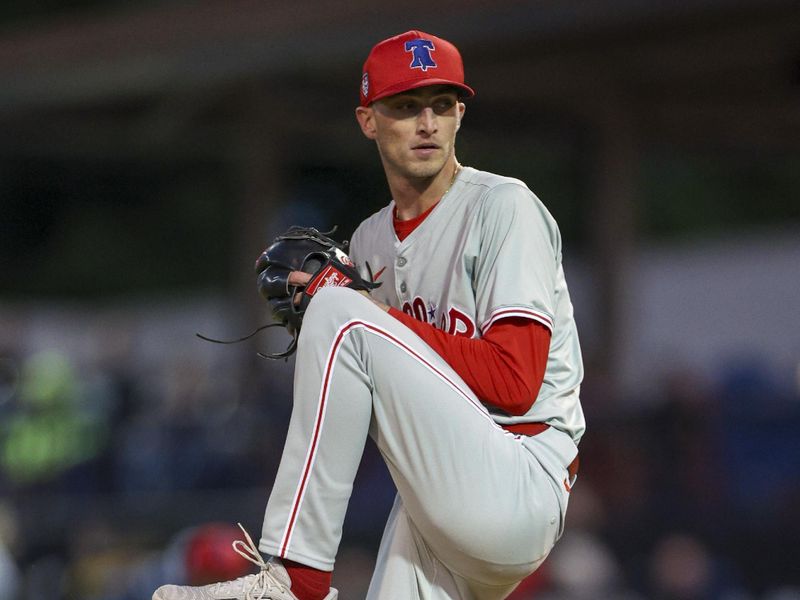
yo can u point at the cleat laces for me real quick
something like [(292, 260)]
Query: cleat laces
[(255, 586)]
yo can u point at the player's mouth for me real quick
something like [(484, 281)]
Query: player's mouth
[(425, 150)]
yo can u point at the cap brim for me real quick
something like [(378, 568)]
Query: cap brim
[(464, 90)]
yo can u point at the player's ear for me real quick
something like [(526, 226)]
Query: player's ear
[(462, 108), (366, 119)]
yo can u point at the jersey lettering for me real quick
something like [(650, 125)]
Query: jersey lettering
[(420, 313), (459, 323), (453, 321)]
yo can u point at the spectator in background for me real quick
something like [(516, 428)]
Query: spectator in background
[(53, 429), (9, 571), (683, 568)]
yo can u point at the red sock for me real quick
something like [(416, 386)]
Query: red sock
[(308, 583)]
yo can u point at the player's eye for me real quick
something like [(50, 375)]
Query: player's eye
[(408, 106), (442, 105), (403, 107)]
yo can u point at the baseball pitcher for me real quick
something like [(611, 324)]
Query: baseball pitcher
[(446, 334)]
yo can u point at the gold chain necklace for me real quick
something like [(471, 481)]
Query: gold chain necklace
[(453, 178)]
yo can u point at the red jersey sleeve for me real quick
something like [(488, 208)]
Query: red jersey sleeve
[(504, 368)]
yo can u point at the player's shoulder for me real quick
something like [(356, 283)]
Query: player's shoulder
[(489, 181), (372, 225), (495, 192), (376, 218)]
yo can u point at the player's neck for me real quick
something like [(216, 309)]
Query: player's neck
[(412, 197)]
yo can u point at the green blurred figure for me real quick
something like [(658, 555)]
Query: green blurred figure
[(53, 428)]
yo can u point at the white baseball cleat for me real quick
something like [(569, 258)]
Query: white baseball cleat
[(272, 582)]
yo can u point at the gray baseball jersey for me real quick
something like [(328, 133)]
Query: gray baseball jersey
[(488, 250)]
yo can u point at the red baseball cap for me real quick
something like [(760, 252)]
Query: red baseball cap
[(410, 60)]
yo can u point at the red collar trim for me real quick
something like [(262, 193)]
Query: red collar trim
[(404, 228)]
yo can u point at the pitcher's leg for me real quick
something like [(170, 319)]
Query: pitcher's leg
[(324, 444), (482, 501), (472, 490), (400, 568), (407, 570)]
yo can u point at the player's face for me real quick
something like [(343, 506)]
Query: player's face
[(415, 131)]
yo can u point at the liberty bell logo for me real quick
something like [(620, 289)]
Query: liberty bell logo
[(421, 54)]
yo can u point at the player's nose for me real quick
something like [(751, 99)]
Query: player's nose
[(426, 122)]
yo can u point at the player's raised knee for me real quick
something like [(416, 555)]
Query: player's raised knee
[(336, 305), (334, 296)]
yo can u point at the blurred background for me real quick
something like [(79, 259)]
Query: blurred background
[(151, 149)]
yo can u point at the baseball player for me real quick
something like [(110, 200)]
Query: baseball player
[(463, 366)]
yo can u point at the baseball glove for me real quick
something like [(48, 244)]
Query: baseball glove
[(301, 249)]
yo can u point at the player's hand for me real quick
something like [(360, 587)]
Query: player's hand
[(301, 279)]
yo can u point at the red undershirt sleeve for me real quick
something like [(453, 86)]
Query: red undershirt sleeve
[(504, 368)]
